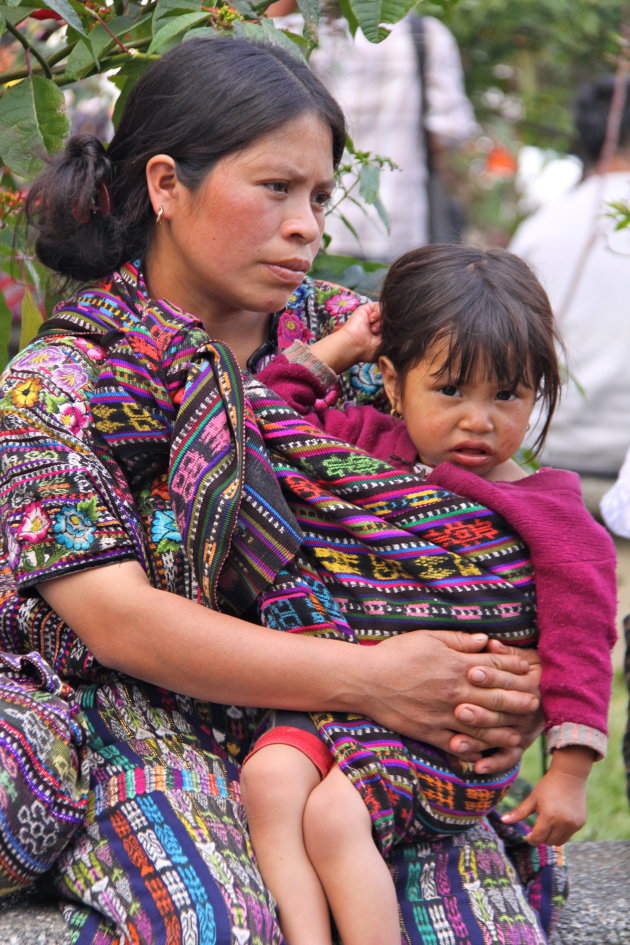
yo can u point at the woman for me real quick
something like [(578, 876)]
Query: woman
[(216, 181)]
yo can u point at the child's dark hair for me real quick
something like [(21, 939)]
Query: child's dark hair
[(487, 304), (206, 98)]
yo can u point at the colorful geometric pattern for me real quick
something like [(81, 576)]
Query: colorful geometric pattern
[(149, 751), (326, 539)]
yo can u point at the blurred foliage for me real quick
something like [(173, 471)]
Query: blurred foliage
[(522, 61)]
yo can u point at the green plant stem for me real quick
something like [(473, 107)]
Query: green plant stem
[(111, 62), (99, 19), (28, 46)]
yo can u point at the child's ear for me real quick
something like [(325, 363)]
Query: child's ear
[(390, 381)]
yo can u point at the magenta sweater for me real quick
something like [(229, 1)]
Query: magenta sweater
[(573, 556)]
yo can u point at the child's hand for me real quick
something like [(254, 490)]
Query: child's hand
[(356, 340), (362, 331), (559, 800)]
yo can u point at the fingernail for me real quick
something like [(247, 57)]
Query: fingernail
[(465, 715), (464, 746), (478, 675)]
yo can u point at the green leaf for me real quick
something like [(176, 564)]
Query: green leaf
[(246, 8), (64, 9), (267, 32), (370, 14), (346, 10), (32, 122), (166, 9), (31, 319), (382, 213), (84, 58), (310, 12), (88, 51), (369, 178), (174, 27)]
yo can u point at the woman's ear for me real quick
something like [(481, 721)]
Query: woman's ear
[(390, 382), (162, 183)]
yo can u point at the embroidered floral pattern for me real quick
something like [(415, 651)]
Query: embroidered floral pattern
[(75, 417), (164, 531), (35, 524), (290, 328), (73, 527), (26, 393)]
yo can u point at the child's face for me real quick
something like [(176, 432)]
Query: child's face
[(477, 425)]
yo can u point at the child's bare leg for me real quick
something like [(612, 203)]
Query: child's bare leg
[(275, 784), (355, 877)]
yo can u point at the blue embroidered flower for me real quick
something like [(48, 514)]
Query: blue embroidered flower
[(73, 528), (163, 527)]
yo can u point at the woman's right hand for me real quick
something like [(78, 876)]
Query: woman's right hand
[(428, 684)]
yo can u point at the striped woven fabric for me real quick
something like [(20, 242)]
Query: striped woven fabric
[(320, 537)]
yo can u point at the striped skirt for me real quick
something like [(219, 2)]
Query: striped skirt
[(164, 857)]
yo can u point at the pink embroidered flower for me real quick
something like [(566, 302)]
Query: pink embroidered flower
[(291, 328), (341, 304), (35, 524), (94, 352), (74, 417)]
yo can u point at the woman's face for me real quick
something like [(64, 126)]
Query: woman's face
[(244, 240)]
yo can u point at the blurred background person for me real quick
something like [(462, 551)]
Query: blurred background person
[(392, 112), (585, 267)]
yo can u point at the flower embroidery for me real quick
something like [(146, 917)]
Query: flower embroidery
[(26, 392), (341, 304), (94, 352), (73, 528), (164, 528), (290, 328), (74, 417), (35, 524), (70, 377), (34, 357)]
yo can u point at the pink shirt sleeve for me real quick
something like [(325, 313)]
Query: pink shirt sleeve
[(575, 578)]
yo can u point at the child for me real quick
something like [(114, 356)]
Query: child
[(466, 347)]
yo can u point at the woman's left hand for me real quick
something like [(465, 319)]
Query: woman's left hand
[(530, 726)]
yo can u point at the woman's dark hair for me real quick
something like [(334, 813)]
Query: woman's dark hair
[(206, 98), (486, 304)]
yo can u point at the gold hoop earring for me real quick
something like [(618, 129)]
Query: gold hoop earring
[(158, 217), (393, 412)]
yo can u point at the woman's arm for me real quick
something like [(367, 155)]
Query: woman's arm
[(411, 683)]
